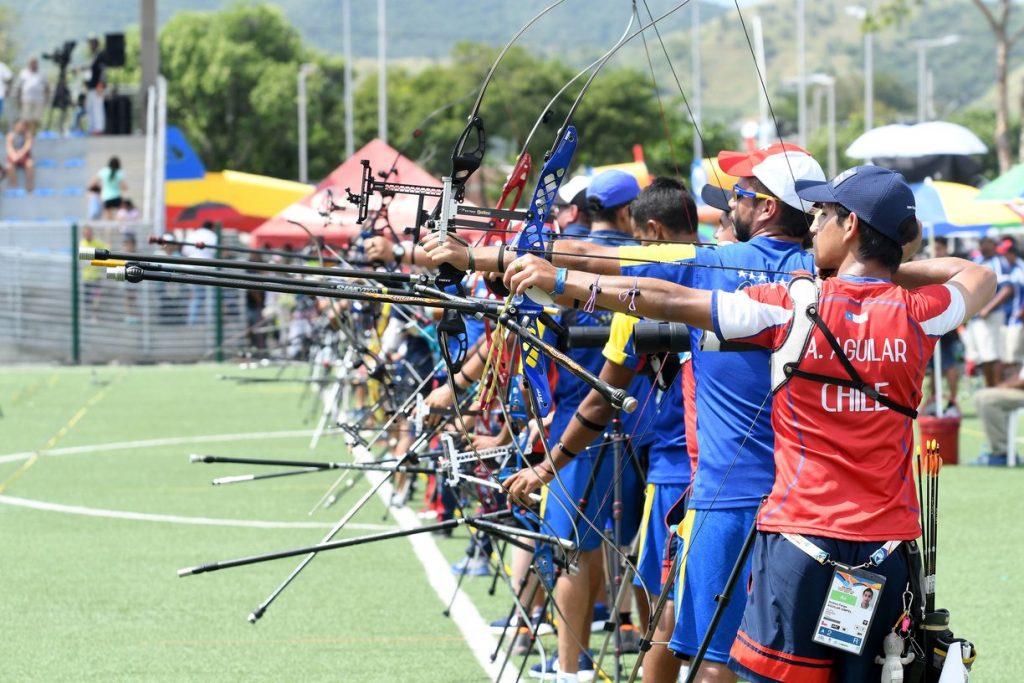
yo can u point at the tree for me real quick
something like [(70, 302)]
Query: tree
[(231, 86), (999, 21), (999, 16)]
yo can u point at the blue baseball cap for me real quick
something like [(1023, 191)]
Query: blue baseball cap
[(880, 197), (612, 188)]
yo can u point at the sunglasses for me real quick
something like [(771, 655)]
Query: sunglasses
[(738, 192)]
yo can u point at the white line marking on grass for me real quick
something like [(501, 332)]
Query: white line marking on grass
[(151, 443), (464, 613), (175, 519)]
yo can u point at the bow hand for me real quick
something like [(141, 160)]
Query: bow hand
[(442, 251), (530, 271)]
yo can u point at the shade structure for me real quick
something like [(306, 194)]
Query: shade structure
[(918, 140), (953, 207), (194, 216), (339, 227), (1009, 187)]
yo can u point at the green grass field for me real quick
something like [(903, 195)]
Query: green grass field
[(91, 598)]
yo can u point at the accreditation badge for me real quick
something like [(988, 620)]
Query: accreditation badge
[(850, 606)]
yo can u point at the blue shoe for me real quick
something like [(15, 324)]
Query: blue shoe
[(548, 671), (545, 627), (472, 566), (991, 460)]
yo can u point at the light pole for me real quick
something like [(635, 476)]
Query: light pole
[(922, 69), (801, 65), (346, 40), (869, 67), (382, 71), (829, 83), (304, 71)]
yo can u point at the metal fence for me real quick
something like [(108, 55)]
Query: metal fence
[(54, 307)]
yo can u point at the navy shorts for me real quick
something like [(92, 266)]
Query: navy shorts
[(654, 534), (787, 592)]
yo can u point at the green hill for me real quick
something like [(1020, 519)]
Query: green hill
[(579, 30)]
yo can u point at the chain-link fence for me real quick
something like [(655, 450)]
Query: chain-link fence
[(54, 307)]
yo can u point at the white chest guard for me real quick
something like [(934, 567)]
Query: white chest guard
[(803, 294)]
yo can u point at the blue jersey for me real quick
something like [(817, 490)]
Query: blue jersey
[(1016, 279), (998, 265), (571, 390), (735, 460), (658, 421)]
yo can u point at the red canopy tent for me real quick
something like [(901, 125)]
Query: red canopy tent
[(341, 227)]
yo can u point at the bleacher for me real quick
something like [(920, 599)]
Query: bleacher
[(64, 168)]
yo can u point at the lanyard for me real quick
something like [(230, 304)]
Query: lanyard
[(822, 557)]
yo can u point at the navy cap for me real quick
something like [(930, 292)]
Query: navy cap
[(613, 188), (880, 197), (715, 197)]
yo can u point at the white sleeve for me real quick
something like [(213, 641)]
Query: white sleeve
[(948, 319)]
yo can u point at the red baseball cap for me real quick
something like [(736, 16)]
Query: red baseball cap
[(778, 167)]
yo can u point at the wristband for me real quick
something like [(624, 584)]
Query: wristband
[(471, 266), (501, 258), (560, 275)]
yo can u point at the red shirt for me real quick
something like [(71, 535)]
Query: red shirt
[(843, 466)]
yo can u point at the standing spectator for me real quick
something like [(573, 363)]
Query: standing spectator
[(110, 181), (19, 155), (950, 354), (985, 330), (95, 87), (1013, 329), (174, 296), (92, 278), (5, 77), (206, 237), (32, 91), (131, 299)]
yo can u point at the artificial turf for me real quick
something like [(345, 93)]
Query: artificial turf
[(95, 598)]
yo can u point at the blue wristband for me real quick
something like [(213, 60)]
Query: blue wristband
[(560, 275)]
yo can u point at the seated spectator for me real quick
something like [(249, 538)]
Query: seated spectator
[(994, 405), (19, 155), (128, 212)]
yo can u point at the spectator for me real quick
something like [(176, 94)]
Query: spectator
[(128, 212), (255, 302), (1013, 330), (206, 237), (173, 295), (985, 330), (19, 155), (92, 278), (950, 354), (80, 120), (994, 405), (5, 77), (110, 182), (32, 91), (131, 300), (95, 86)]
